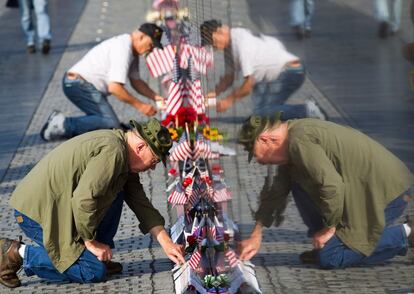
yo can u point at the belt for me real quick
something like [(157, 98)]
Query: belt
[(74, 76)]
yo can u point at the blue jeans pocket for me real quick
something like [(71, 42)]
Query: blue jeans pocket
[(30, 228)]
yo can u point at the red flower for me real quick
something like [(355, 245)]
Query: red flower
[(187, 181), (226, 237), (191, 239), (208, 180), (216, 168)]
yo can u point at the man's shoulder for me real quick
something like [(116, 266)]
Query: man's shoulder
[(111, 138), (123, 40)]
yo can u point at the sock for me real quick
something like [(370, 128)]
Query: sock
[(21, 250), (407, 229)]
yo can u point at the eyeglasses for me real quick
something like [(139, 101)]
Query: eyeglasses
[(155, 159)]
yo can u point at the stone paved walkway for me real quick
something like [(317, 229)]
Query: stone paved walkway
[(334, 82)]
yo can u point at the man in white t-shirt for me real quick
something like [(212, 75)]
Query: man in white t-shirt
[(271, 74), (104, 71)]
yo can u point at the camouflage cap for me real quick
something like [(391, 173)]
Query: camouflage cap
[(253, 127), (157, 136)]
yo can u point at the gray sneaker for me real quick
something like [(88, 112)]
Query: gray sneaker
[(313, 110), (54, 128)]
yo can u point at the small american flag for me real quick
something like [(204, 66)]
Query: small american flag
[(178, 196), (194, 259), (231, 257), (195, 195), (222, 195), (176, 72), (161, 61), (203, 149), (212, 231), (203, 58), (185, 53), (196, 97), (192, 73), (202, 234), (220, 234), (175, 97), (182, 150), (189, 188)]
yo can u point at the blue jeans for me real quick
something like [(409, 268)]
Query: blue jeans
[(269, 97), (43, 21), (382, 12), (336, 254), (301, 13), (99, 113), (87, 269)]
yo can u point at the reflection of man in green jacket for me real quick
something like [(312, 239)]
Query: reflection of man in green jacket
[(348, 189), (72, 200)]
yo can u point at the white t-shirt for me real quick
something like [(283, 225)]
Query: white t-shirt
[(110, 61), (259, 55)]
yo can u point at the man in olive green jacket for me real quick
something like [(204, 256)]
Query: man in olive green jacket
[(348, 189), (71, 202)]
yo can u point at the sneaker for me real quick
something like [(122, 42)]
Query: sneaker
[(31, 49), (54, 128), (314, 110), (383, 30), (308, 33), (113, 268), (310, 257), (410, 223), (298, 31), (46, 47), (10, 262)]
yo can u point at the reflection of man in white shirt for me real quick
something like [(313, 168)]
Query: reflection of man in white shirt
[(104, 71), (270, 72)]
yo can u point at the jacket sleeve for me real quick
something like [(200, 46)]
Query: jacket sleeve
[(94, 183), (273, 198), (322, 175), (136, 199)]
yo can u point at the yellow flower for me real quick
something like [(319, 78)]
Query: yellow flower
[(206, 133), (214, 132), (173, 133)]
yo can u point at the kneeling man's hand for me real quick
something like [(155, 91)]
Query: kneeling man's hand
[(249, 247), (173, 251), (321, 237), (102, 251)]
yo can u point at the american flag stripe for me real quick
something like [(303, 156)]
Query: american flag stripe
[(177, 197), (222, 195), (174, 99), (181, 152), (185, 54), (153, 65), (231, 257), (202, 234), (212, 232), (203, 58), (196, 97), (160, 62), (195, 196), (194, 260), (159, 59)]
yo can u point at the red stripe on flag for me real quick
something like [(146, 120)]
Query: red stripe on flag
[(231, 257), (194, 260)]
